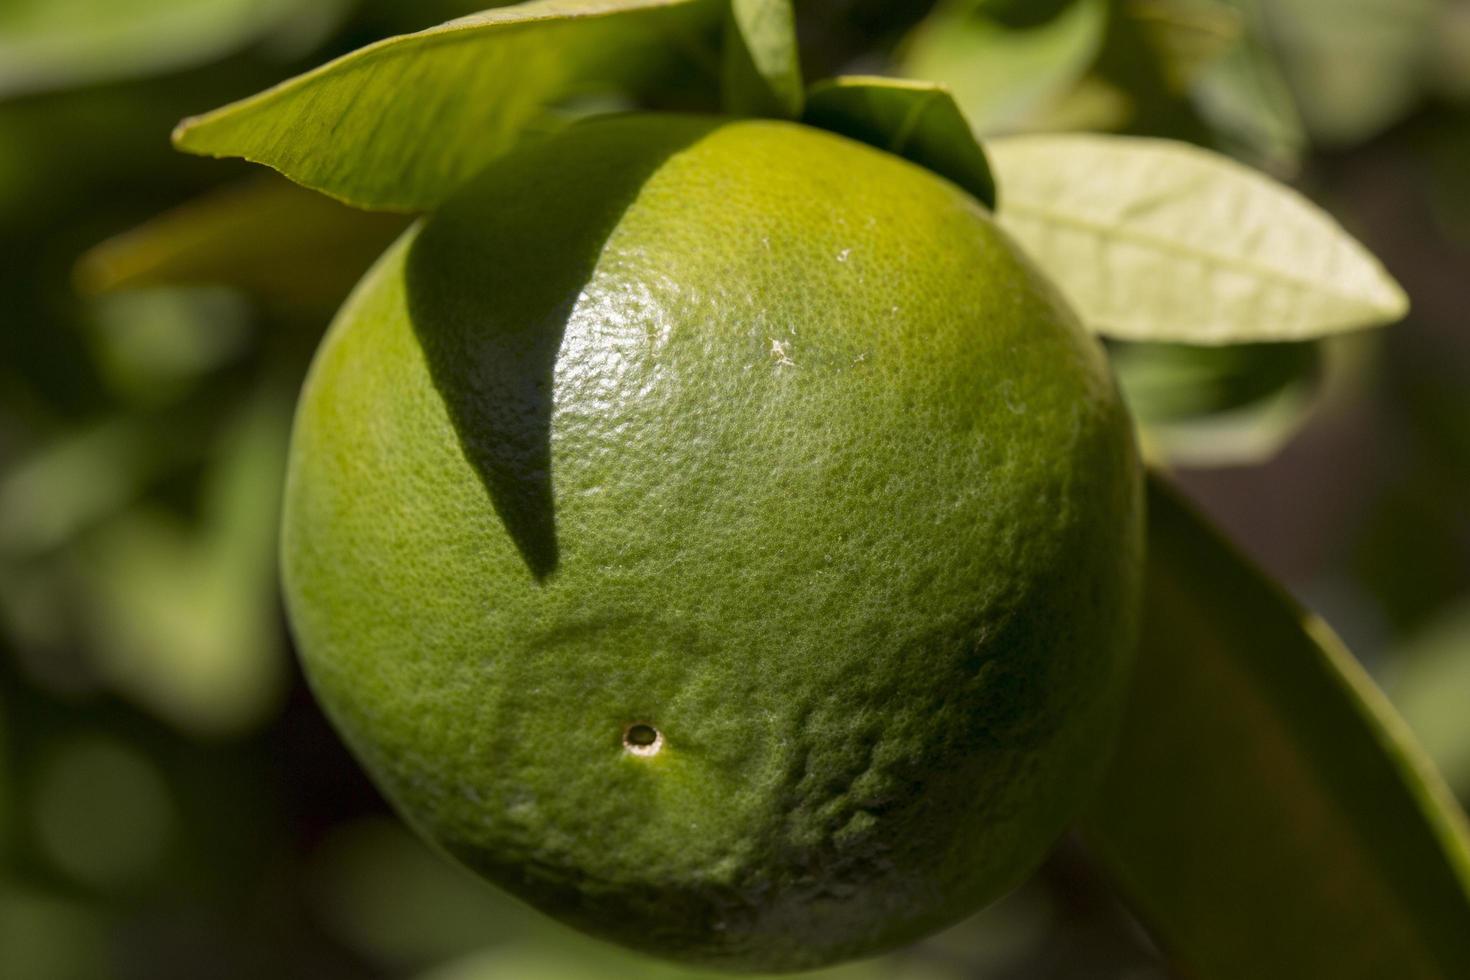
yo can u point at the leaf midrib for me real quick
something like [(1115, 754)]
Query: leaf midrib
[(1169, 246)]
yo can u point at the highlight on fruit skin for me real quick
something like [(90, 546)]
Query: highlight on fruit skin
[(751, 445)]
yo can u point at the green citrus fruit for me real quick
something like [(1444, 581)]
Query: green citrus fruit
[(718, 535)]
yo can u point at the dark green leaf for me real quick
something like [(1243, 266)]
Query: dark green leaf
[(399, 124), (915, 120), (1267, 814), (1213, 406), (266, 236), (762, 74)]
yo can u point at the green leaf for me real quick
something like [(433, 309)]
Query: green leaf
[(918, 121), (266, 236), (1157, 240), (1267, 813), (399, 124), (1218, 406), (53, 44), (762, 74), (999, 74)]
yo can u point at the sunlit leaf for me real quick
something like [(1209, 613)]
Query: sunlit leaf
[(999, 74), (762, 74), (1430, 683), (1157, 240), (915, 120), (266, 236), (1218, 406), (1268, 815), (399, 124), (1355, 66), (53, 44)]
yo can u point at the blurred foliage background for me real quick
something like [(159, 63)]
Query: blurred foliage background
[(172, 804)]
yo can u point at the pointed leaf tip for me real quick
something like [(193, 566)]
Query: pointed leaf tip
[(401, 123), (1158, 240)]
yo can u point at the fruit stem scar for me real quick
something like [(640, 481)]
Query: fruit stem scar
[(642, 739)]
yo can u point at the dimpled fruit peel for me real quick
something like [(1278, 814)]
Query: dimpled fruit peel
[(718, 535)]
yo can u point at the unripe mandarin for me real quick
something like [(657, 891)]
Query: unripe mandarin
[(717, 534)]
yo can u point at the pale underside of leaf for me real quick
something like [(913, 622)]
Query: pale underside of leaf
[(1157, 240), (400, 124), (1267, 813)]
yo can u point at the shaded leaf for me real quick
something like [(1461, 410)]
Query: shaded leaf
[(918, 121), (1430, 683), (1267, 813), (54, 44), (399, 124), (1158, 240), (266, 236), (1218, 406), (1000, 74), (762, 74)]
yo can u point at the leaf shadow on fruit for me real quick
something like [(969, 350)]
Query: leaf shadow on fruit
[(493, 279)]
